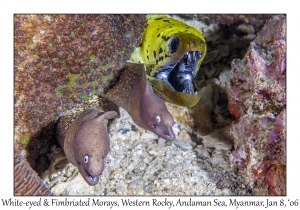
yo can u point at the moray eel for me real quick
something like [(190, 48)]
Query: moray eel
[(133, 92), (172, 53), (83, 134), (85, 141), (61, 61)]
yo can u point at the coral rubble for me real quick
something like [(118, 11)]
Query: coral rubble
[(140, 163)]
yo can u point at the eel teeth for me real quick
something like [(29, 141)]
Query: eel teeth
[(163, 76), (179, 75), (192, 56), (188, 87), (189, 57), (195, 56), (199, 54), (93, 178)]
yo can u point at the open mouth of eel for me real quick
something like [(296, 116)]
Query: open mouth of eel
[(164, 132), (90, 179), (93, 178), (180, 75)]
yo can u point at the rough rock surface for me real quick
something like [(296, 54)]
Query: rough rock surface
[(25, 179), (61, 61), (243, 85), (216, 152), (257, 99)]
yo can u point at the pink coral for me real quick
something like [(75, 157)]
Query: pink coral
[(257, 99)]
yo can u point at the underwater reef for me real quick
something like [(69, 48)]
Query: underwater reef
[(231, 143), (242, 83), (61, 61), (257, 99)]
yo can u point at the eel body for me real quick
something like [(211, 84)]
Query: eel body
[(64, 60), (61, 61), (85, 140), (133, 92), (83, 134)]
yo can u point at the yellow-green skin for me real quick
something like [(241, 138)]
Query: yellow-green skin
[(154, 52)]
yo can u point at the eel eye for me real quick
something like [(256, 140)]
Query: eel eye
[(174, 44), (86, 159), (157, 118)]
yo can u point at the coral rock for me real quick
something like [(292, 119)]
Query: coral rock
[(62, 60), (26, 181), (257, 99)]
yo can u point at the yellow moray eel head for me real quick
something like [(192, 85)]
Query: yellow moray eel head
[(172, 53)]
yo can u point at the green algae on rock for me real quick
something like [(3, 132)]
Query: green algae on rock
[(61, 61)]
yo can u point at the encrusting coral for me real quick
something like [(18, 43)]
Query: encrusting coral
[(257, 99), (245, 60), (26, 181), (61, 61)]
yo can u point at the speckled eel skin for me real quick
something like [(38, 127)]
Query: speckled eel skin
[(84, 136), (62, 61)]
